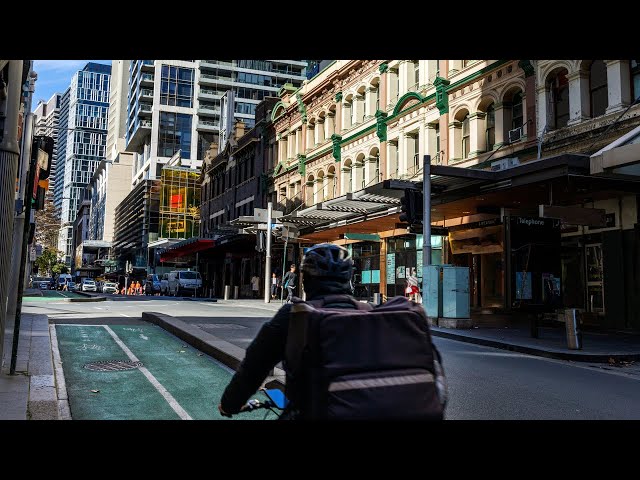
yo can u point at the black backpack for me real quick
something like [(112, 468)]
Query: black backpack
[(348, 360)]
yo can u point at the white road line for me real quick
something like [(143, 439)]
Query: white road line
[(163, 391), (125, 315), (98, 308)]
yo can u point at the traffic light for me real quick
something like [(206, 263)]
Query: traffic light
[(412, 206), (42, 151)]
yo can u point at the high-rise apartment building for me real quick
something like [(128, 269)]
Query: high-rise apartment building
[(174, 105), (85, 136), (61, 147), (47, 121)]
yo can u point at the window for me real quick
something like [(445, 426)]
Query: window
[(465, 136), (174, 134), (416, 76), (559, 89), (491, 127), (176, 86), (598, 88), (635, 79), (517, 117)]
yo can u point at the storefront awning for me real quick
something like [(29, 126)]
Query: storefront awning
[(364, 204), (186, 247)]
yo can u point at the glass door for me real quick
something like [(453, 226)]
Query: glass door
[(595, 290)]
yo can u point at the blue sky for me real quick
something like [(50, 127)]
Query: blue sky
[(55, 76)]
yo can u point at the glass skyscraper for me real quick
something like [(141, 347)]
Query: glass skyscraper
[(174, 105), (81, 143)]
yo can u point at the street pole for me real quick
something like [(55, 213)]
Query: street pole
[(18, 223), (9, 158), (267, 268), (284, 261), (426, 224), (33, 164)]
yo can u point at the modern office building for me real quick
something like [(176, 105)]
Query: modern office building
[(47, 121), (61, 150), (86, 137), (174, 105)]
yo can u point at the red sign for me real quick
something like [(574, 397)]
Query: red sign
[(175, 201)]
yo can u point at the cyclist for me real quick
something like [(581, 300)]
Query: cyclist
[(326, 270)]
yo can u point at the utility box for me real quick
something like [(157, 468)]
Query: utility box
[(432, 291), (455, 292)]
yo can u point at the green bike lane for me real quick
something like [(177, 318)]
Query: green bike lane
[(175, 380)]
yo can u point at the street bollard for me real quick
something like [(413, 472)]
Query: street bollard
[(376, 299), (236, 291), (574, 335), (227, 292)]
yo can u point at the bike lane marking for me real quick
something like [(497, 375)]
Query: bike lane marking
[(126, 395), (195, 380), (158, 386)]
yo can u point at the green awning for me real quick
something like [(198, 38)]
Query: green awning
[(369, 237)]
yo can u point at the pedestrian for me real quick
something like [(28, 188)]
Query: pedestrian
[(255, 286), (274, 286), (289, 282), (412, 287)]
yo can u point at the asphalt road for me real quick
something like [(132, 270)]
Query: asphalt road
[(484, 383)]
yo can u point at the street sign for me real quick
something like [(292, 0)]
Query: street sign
[(260, 214)]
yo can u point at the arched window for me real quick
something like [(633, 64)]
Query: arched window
[(466, 133), (559, 91), (517, 115), (491, 127), (598, 88)]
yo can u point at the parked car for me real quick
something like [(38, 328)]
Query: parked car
[(43, 283), (109, 287), (71, 285), (89, 285), (181, 281), (152, 285)]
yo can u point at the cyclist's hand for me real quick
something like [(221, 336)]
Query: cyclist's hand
[(222, 412)]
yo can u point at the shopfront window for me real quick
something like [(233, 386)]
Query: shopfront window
[(366, 274), (405, 258)]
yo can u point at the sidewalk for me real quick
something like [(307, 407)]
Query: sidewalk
[(30, 394)]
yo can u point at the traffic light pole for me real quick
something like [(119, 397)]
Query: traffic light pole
[(23, 258), (426, 224)]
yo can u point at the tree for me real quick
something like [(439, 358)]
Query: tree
[(47, 260), (59, 268), (47, 226)]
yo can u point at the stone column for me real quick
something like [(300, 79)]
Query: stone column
[(383, 160), (392, 88), (303, 138), (543, 119), (500, 113), (423, 69), (455, 141), (444, 138), (330, 127), (299, 148), (310, 136), (430, 146), (402, 149), (422, 143), (392, 160), (308, 194), (383, 91), (477, 126), (318, 193), (370, 106), (618, 85), (330, 186), (337, 121), (579, 103), (346, 115), (359, 105), (404, 76), (320, 130), (344, 177)]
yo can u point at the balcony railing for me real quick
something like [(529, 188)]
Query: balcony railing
[(146, 77), (146, 92)]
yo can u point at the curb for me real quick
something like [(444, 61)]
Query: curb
[(64, 412), (90, 298), (576, 357), (223, 351)]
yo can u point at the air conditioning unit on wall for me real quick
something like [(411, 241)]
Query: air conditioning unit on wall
[(504, 163), (515, 135)]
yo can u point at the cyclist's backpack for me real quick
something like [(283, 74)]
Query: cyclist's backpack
[(363, 362)]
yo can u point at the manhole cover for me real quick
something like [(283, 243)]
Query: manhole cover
[(112, 365), (231, 326)]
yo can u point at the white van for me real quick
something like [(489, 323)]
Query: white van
[(63, 279), (184, 282)]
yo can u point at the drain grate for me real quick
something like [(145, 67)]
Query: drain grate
[(112, 365)]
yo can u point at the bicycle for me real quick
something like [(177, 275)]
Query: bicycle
[(275, 403)]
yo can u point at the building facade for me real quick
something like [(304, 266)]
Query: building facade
[(136, 225), (174, 105), (61, 148), (234, 184), (86, 135), (359, 123), (46, 123)]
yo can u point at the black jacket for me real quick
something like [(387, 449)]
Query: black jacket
[(265, 351), (291, 277)]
